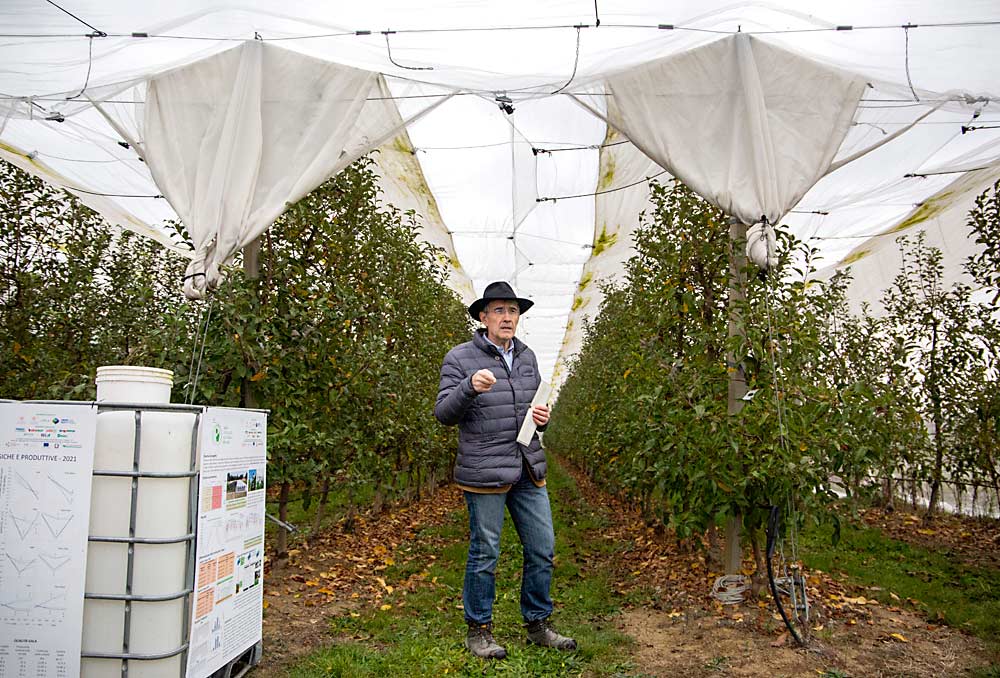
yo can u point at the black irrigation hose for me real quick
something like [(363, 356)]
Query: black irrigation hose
[(772, 539)]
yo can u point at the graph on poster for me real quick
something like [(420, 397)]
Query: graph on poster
[(46, 461)]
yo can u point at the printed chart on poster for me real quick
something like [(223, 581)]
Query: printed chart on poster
[(46, 465), (228, 594)]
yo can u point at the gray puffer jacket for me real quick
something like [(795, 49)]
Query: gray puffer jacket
[(488, 452)]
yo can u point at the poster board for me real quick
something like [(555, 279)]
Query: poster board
[(46, 466), (227, 604)]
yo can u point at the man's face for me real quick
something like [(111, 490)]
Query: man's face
[(500, 318)]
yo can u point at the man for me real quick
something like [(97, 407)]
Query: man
[(486, 388)]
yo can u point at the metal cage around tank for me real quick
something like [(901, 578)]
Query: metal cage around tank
[(249, 657)]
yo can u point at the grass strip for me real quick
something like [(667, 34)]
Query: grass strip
[(424, 636), (940, 586)]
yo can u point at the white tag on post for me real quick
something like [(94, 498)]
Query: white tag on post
[(529, 426)]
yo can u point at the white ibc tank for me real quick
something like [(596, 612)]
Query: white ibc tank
[(162, 512)]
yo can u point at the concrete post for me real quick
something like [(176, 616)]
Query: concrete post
[(733, 552)]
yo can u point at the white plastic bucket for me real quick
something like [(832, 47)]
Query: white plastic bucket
[(133, 384)]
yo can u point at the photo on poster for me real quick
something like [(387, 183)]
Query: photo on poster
[(236, 485), (255, 480), (250, 568)]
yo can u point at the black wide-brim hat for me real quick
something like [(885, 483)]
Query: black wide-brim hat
[(499, 290)]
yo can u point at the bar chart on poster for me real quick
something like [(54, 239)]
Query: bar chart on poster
[(46, 461), (228, 601)]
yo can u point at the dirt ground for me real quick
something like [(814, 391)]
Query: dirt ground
[(693, 646), (678, 628), (338, 571)]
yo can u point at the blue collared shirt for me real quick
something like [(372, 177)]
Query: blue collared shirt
[(508, 353)]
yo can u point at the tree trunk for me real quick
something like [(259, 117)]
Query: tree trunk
[(759, 579), (351, 510), (321, 508), (935, 388), (888, 493), (991, 467)]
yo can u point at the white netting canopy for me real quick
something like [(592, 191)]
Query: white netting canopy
[(524, 134)]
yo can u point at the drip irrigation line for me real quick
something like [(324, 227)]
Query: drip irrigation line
[(610, 190), (772, 536)]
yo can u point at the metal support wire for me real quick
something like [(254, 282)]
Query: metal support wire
[(90, 66), (388, 50), (195, 370), (576, 60), (793, 584), (97, 32), (909, 81)]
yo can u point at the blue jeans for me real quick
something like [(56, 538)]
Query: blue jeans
[(529, 508)]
